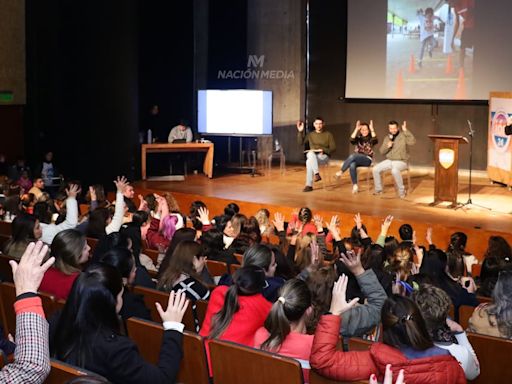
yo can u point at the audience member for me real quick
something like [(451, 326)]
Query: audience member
[(434, 305), (406, 345), (71, 252), (31, 361), (284, 331), (87, 333), (25, 228)]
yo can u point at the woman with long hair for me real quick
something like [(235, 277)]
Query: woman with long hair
[(133, 304), (184, 272), (87, 333), (71, 252), (406, 345), (236, 312), (495, 319), (364, 139), (284, 331), (459, 260), (497, 258), (25, 229), (180, 235)]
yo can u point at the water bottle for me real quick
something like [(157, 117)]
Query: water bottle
[(150, 136)]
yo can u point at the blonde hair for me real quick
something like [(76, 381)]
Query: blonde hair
[(304, 253)]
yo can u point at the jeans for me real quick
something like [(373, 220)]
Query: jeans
[(312, 161), (429, 41), (396, 167), (353, 161)]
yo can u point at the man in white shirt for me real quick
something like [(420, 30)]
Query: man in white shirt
[(181, 132)]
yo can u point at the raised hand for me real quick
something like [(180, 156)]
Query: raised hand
[(404, 126), (454, 326), (371, 126), (333, 228), (428, 237), (353, 262), (384, 228), (359, 221), (339, 303), (388, 377), (176, 307), (203, 215), (300, 126), (29, 272), (121, 183), (73, 190), (318, 220), (358, 125), (143, 204), (278, 221)]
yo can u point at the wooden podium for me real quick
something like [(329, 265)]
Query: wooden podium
[(446, 158)]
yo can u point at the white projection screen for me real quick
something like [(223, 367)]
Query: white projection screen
[(234, 112), (428, 49)]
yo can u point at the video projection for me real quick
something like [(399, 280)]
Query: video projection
[(234, 112), (428, 49)]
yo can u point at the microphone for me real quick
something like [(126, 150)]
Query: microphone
[(391, 137), (471, 132)]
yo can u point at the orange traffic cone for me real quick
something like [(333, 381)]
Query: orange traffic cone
[(412, 64), (460, 94), (399, 92), (449, 65)]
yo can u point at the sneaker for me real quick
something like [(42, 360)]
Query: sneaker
[(317, 177), (402, 194), (307, 188), (377, 193), (338, 174), (355, 189)]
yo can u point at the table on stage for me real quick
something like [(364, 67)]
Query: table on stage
[(182, 147)]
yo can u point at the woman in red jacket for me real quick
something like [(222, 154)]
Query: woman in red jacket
[(406, 346), (235, 313)]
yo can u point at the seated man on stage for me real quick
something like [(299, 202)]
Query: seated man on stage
[(181, 133), (321, 145), (395, 148)]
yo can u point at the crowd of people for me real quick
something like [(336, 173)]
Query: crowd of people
[(295, 296)]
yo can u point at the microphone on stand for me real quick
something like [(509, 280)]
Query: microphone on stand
[(471, 132)]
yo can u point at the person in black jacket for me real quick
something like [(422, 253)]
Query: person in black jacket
[(133, 304), (88, 334)]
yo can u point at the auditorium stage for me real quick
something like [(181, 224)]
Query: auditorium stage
[(285, 190)]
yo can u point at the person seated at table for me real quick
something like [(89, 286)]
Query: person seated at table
[(181, 133)]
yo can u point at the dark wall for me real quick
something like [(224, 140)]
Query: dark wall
[(166, 70), (82, 77), (327, 84)]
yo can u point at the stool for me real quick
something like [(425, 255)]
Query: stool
[(325, 173), (369, 174)]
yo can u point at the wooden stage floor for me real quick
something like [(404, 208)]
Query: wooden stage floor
[(286, 191)]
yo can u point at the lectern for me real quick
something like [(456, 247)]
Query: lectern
[(446, 159)]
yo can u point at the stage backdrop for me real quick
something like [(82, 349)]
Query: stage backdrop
[(499, 161)]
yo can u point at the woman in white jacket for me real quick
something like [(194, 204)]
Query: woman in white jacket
[(434, 305)]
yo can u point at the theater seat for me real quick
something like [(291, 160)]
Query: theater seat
[(61, 373)]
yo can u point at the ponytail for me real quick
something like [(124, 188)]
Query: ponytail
[(295, 299), (247, 281), (222, 318)]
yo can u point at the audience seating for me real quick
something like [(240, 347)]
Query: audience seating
[(152, 296), (476, 269), (252, 366), (465, 312), (239, 257), (8, 295), (217, 268), (152, 254), (234, 267), (358, 344), (92, 243), (5, 268), (494, 356), (148, 337), (61, 373)]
